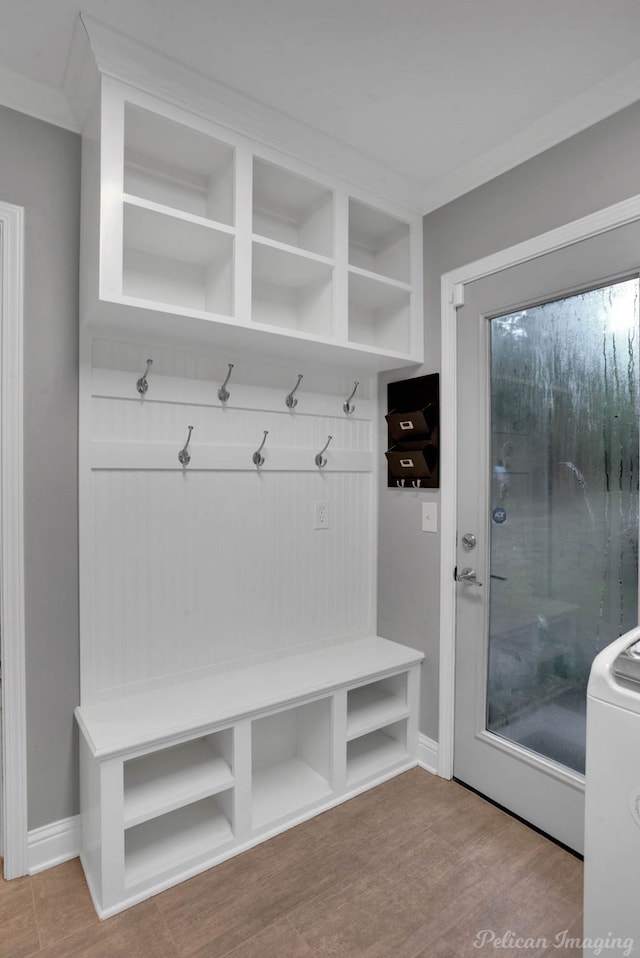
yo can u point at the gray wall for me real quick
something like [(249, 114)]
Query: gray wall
[(585, 173), (40, 171)]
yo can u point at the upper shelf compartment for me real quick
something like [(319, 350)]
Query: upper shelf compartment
[(379, 243), (202, 233), (168, 163), (291, 209), (172, 261)]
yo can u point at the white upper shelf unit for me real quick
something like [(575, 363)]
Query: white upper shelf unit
[(193, 231)]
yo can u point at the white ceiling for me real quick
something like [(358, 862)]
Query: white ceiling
[(446, 93)]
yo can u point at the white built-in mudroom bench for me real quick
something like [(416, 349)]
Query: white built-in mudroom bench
[(237, 303), (175, 780)]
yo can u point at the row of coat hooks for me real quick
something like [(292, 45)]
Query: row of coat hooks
[(415, 483), (348, 407), (184, 457)]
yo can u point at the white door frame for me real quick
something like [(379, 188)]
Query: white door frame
[(452, 293), (12, 631)]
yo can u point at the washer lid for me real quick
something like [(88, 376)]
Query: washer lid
[(615, 673), (627, 664)]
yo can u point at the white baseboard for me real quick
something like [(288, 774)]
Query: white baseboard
[(427, 753), (53, 844)]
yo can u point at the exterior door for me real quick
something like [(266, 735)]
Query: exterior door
[(547, 552)]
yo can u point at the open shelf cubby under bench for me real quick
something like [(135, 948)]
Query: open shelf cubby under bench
[(178, 778)]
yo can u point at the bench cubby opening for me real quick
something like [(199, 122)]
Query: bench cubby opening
[(167, 778), (374, 705), (191, 832), (291, 761), (369, 754)]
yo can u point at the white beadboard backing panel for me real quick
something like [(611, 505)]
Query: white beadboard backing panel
[(143, 421), (199, 569), (208, 566), (184, 364)]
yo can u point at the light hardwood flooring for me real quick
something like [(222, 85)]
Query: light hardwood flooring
[(414, 868)]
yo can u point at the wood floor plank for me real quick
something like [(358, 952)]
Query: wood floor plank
[(279, 940), (62, 901), (139, 932), (382, 911), (18, 927), (242, 897)]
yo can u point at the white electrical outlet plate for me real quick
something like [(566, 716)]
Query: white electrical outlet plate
[(429, 516), (321, 514)]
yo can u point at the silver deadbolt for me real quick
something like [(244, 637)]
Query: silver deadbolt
[(469, 541)]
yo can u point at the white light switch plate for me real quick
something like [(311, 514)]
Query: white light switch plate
[(429, 516)]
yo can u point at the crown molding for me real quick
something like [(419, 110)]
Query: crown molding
[(597, 103), (154, 73), (127, 60), (35, 99)]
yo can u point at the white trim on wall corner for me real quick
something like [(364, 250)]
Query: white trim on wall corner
[(427, 754), (593, 105), (55, 843), (12, 631), (35, 99), (452, 296)]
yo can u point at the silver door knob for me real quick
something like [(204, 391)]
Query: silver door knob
[(469, 576)]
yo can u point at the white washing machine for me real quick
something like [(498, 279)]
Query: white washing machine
[(612, 802)]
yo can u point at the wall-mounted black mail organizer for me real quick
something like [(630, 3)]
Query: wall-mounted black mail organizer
[(413, 422)]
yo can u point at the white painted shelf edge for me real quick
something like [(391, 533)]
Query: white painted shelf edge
[(130, 316), (380, 278), (293, 251), (169, 778), (171, 212), (157, 716), (369, 710)]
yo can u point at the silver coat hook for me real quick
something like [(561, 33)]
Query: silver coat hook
[(346, 405), (258, 459), (290, 401), (142, 385), (320, 462), (223, 392), (183, 456), (417, 483), (400, 482)]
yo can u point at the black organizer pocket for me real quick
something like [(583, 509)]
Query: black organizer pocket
[(413, 423), (417, 460)]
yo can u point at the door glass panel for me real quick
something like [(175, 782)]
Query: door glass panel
[(564, 510)]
